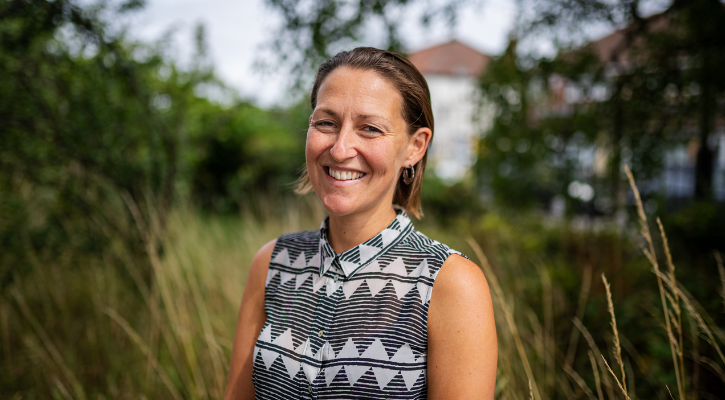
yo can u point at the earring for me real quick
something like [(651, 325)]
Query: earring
[(408, 178)]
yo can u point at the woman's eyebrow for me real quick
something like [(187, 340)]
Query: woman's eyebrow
[(328, 111)]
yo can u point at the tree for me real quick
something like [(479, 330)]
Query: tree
[(91, 144), (312, 32), (633, 96)]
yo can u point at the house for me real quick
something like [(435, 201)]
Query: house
[(619, 52), (452, 70)]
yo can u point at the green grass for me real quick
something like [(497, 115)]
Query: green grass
[(159, 326)]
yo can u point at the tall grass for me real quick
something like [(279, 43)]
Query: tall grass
[(114, 326)]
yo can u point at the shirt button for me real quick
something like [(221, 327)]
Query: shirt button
[(320, 335), (309, 387), (336, 278)]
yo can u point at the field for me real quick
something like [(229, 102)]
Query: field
[(579, 312)]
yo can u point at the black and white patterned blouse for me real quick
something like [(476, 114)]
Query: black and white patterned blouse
[(352, 325)]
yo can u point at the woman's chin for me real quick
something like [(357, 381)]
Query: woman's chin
[(340, 205)]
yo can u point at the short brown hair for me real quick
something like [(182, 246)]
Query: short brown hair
[(416, 111)]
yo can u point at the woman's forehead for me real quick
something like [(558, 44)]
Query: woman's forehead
[(362, 92)]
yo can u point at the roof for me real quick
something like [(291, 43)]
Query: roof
[(614, 47), (453, 58)]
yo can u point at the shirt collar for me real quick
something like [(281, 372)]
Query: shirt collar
[(363, 254)]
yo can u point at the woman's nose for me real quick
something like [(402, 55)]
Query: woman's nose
[(344, 146)]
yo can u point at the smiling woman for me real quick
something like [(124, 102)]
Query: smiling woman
[(366, 307)]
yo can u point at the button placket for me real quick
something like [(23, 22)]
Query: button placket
[(322, 324)]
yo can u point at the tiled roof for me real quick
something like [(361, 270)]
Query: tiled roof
[(452, 58)]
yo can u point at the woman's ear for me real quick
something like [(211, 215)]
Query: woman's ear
[(418, 144)]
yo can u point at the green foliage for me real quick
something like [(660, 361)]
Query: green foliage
[(630, 103), (84, 121), (449, 205), (98, 130), (245, 151), (312, 32)]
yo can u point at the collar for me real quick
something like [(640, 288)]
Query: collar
[(363, 254)]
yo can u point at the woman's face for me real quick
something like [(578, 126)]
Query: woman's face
[(357, 142)]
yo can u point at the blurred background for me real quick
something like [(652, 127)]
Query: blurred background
[(148, 149)]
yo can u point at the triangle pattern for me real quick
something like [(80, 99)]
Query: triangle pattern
[(314, 261), (401, 220), (303, 347), (367, 252), (270, 274), (349, 287), (326, 352), (300, 261), (423, 290), (421, 270), (266, 334), (331, 373), (317, 282), (310, 370), (384, 376), (354, 372), (349, 350), (371, 268), (332, 286), (282, 258), (348, 267), (285, 340), (285, 277), (268, 356), (376, 351), (301, 278), (376, 285), (292, 366), (404, 355), (388, 236), (328, 263), (254, 355), (401, 288), (410, 377), (397, 267)]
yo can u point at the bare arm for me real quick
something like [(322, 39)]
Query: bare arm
[(250, 322), (462, 344)]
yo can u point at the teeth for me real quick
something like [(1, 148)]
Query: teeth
[(344, 175)]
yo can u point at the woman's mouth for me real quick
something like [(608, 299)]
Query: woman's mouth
[(343, 175)]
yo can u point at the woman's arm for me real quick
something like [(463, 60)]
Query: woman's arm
[(462, 345), (250, 322)]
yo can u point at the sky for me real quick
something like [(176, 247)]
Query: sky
[(236, 30)]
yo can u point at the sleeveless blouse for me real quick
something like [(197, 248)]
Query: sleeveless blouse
[(350, 325)]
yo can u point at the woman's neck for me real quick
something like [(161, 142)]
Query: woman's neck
[(348, 231)]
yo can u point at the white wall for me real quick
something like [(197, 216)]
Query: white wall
[(457, 131)]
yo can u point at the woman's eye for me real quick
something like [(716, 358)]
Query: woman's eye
[(325, 126), (371, 129)]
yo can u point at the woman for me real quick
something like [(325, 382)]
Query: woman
[(366, 307)]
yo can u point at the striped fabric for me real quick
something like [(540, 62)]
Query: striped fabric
[(351, 325)]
